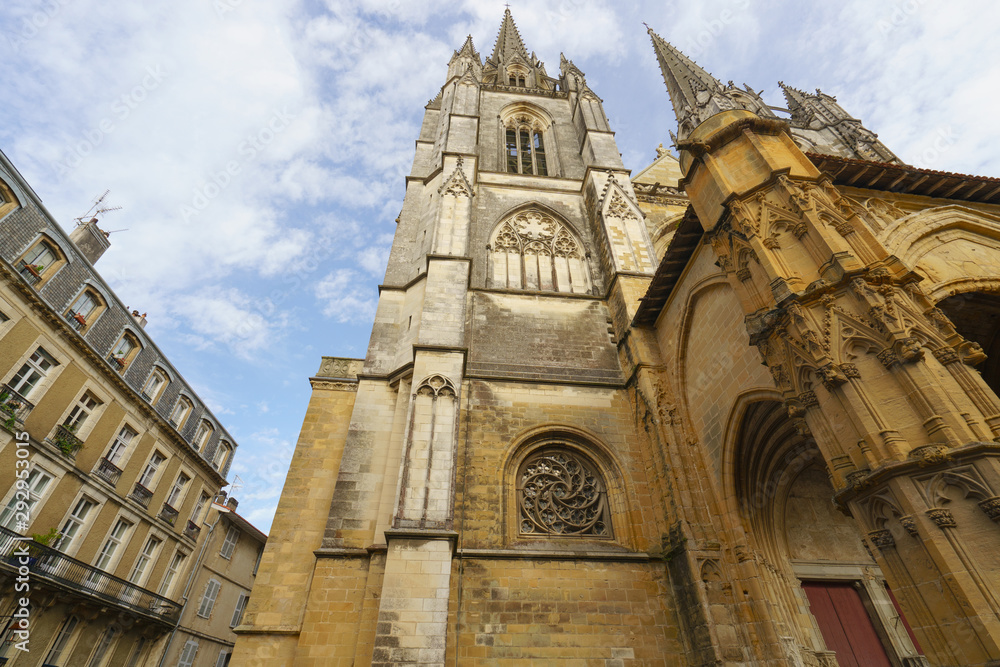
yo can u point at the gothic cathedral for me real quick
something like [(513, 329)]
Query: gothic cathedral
[(739, 408)]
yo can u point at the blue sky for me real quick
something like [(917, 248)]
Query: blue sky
[(259, 146)]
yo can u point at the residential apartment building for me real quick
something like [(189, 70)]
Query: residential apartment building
[(218, 592), (106, 454)]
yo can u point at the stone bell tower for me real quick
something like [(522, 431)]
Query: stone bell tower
[(866, 364), (518, 260)]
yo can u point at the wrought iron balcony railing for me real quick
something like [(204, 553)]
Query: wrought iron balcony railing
[(192, 530), (29, 272), (117, 363), (14, 408), (66, 442), (76, 320), (141, 495), (168, 514), (48, 564), (108, 471)]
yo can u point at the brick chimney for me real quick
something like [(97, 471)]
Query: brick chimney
[(90, 240)]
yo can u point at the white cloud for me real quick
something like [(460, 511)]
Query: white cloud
[(230, 317), (346, 298)]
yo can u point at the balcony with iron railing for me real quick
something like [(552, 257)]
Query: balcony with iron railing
[(14, 408), (29, 272), (108, 471), (168, 513), (76, 320), (66, 441), (192, 530), (141, 495), (56, 568), (117, 363)]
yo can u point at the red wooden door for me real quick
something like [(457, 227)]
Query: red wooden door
[(845, 624)]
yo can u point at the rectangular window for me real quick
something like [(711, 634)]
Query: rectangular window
[(241, 604), (62, 639), (223, 660), (121, 444), (208, 598), (232, 536), (19, 507), (140, 645), (111, 546), (188, 654), (196, 515), (172, 570), (76, 520), (78, 415), (33, 370), (149, 474), (175, 493), (148, 554), (103, 645)]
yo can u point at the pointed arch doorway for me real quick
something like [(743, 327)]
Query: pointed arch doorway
[(829, 593)]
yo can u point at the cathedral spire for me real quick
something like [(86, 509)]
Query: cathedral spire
[(509, 42), (468, 50), (691, 88), (794, 97), (695, 93)]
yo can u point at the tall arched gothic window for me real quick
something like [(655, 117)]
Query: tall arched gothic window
[(524, 140), (534, 251)]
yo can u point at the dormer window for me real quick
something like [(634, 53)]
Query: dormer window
[(124, 351), (40, 262), (154, 386), (8, 202), (222, 454), (84, 310), (202, 436), (180, 413)]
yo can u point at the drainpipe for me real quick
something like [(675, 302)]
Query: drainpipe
[(187, 589)]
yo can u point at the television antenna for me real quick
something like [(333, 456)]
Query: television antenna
[(98, 208), (236, 485)]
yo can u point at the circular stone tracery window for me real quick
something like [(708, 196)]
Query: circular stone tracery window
[(561, 493)]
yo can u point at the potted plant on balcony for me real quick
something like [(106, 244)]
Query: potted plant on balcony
[(8, 410), (46, 538), (80, 318), (67, 445), (35, 269)]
